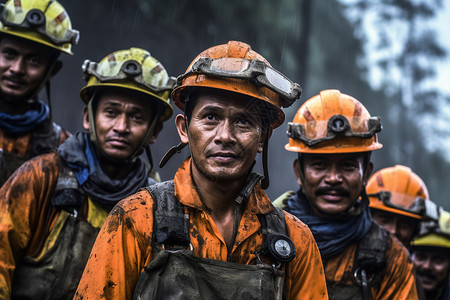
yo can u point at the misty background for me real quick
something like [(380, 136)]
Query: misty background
[(384, 53)]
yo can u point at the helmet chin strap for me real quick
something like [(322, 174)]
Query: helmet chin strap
[(265, 182)]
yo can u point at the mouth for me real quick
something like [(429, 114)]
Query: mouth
[(223, 156), (332, 195), (13, 82), (118, 142)]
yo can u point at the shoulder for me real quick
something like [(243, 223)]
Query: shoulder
[(281, 201), (298, 231)]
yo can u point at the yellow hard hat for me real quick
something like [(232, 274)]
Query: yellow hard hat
[(42, 21), (435, 233), (398, 190), (133, 69), (333, 122)]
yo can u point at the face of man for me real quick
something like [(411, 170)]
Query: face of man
[(402, 227), (224, 136), (332, 182), (23, 65), (121, 122), (432, 267)]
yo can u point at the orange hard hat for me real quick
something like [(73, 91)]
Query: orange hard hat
[(398, 190), (332, 122), (237, 68)]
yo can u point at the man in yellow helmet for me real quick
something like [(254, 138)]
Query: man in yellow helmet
[(431, 257), (397, 201), (32, 35), (211, 233), (334, 135), (53, 206)]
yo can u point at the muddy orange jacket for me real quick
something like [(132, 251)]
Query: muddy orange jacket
[(397, 278), (124, 245), (19, 147)]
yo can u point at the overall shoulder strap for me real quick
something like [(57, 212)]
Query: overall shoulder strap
[(371, 252), (46, 137), (276, 244), (68, 194), (171, 224)]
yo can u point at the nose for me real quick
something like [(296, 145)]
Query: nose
[(225, 133), (121, 125), (18, 66), (334, 175), (391, 227)]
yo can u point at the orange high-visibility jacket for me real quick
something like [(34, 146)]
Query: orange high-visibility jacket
[(17, 149), (397, 278), (124, 245)]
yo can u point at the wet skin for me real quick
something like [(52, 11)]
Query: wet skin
[(23, 66), (121, 122), (224, 136), (332, 182)]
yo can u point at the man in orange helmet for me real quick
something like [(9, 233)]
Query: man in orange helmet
[(211, 233), (33, 33), (334, 136), (397, 201)]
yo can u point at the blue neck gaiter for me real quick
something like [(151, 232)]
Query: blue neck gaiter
[(332, 236), (22, 124)]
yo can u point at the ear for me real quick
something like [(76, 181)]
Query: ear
[(57, 66), (367, 173), (85, 118), (296, 166), (266, 132), (180, 123), (159, 126)]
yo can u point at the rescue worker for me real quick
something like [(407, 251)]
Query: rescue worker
[(33, 33), (397, 201), (431, 257), (211, 232), (334, 135), (53, 206)]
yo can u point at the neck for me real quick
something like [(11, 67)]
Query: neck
[(115, 169), (218, 196), (14, 107)]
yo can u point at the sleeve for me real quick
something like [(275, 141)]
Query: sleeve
[(121, 251), (398, 281), (305, 274), (21, 211)]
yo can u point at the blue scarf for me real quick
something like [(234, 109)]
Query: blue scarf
[(332, 236), (79, 154), (21, 124)]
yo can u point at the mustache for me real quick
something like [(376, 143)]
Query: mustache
[(338, 190), (16, 78)]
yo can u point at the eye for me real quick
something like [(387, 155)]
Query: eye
[(8, 53), (110, 112), (35, 60), (210, 117)]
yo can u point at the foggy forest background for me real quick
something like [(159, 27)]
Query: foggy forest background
[(320, 44)]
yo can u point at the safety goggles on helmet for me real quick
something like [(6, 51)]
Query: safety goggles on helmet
[(247, 69), (109, 71), (315, 132), (418, 206), (35, 19)]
